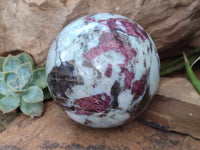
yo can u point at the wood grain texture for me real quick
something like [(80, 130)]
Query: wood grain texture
[(175, 107), (173, 115), (179, 88), (56, 131), (6, 119)]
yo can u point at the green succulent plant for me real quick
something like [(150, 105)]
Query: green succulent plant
[(22, 85)]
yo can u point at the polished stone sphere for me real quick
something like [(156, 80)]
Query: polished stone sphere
[(103, 70)]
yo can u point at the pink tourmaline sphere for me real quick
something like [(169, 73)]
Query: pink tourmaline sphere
[(103, 70)]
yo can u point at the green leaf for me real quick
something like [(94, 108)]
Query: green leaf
[(33, 94), (9, 76), (9, 103), (25, 70), (32, 109), (39, 78), (18, 83), (11, 63), (47, 94), (1, 96), (193, 78), (1, 75), (3, 89), (2, 59), (24, 57), (16, 93)]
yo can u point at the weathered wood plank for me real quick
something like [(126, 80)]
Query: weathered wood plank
[(54, 131), (176, 107), (174, 115), (6, 119)]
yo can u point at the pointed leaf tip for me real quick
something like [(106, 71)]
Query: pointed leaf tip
[(24, 57), (185, 57), (33, 94)]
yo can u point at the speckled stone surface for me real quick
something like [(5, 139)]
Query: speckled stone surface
[(103, 70)]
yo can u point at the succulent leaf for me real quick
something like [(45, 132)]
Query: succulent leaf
[(2, 59), (23, 81), (33, 94), (14, 85), (21, 86), (1, 96), (47, 94), (11, 63), (32, 109), (1, 75), (9, 103), (39, 78), (25, 70), (16, 93), (24, 57), (18, 83), (9, 76), (3, 89)]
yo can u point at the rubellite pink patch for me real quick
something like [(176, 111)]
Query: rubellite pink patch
[(103, 70)]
